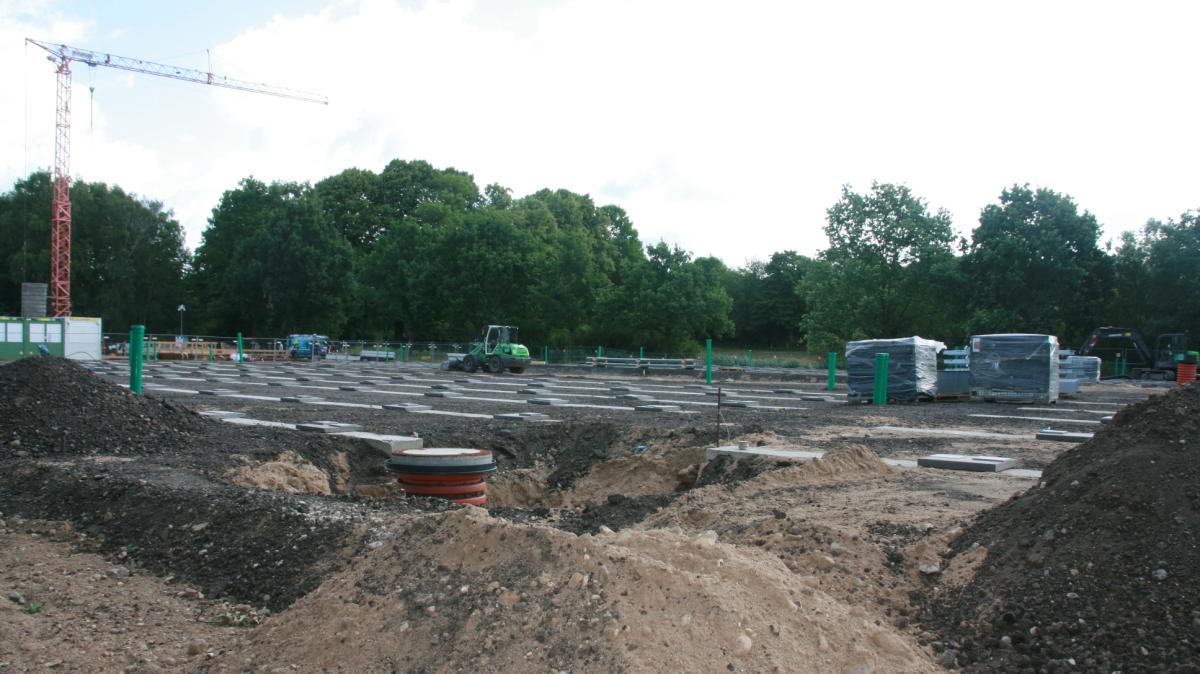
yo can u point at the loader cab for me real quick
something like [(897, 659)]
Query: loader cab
[(1168, 347)]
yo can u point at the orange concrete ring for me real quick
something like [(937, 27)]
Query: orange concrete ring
[(439, 478), (471, 490)]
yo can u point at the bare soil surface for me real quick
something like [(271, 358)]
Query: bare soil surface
[(609, 544)]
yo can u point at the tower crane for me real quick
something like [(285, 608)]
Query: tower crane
[(62, 56)]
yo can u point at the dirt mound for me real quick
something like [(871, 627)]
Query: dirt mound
[(464, 590), (54, 406), (1095, 569), (289, 473), (844, 464)]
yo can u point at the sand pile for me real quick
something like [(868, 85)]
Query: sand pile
[(1095, 569), (465, 591), (52, 405)]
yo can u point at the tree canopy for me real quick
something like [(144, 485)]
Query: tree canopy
[(416, 252)]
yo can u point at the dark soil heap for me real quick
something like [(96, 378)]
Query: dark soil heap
[(54, 406), (1098, 568)]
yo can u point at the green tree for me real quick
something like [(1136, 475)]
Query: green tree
[(884, 273), (1035, 265), (669, 302), (1155, 277), (127, 254), (269, 264)]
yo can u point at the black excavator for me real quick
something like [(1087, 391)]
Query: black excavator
[(1140, 362)]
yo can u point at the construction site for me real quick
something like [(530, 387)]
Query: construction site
[(203, 501), (248, 517)]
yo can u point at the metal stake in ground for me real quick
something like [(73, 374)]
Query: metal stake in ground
[(718, 416)]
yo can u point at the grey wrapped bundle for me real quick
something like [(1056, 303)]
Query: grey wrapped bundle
[(912, 367), (1014, 367), (1083, 368)]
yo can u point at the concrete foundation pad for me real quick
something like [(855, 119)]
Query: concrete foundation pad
[(635, 396), (407, 407), (525, 416), (740, 403), (300, 399), (1063, 436), (819, 398), (658, 408), (216, 391), (976, 464), (222, 414), (388, 443), (328, 427), (1106, 420), (241, 421), (443, 394), (761, 452), (953, 433), (546, 401)]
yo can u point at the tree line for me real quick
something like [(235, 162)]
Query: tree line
[(418, 252)]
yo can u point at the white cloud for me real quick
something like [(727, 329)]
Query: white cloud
[(728, 128)]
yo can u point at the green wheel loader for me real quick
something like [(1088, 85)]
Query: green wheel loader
[(497, 350)]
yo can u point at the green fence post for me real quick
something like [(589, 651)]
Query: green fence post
[(600, 351), (641, 353), (211, 353), (708, 361), (546, 354), (881, 378), (240, 355), (749, 358), (136, 334)]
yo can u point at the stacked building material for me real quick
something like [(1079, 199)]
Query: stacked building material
[(1083, 368), (912, 367), (445, 472), (1014, 367)]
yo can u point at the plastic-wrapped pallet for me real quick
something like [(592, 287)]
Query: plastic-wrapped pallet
[(1083, 368), (912, 366), (1014, 367)]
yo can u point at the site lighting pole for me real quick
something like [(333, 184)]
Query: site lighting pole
[(181, 309)]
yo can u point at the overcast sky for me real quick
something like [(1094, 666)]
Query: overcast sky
[(725, 127)]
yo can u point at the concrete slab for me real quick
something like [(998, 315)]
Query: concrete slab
[(546, 401), (526, 416), (222, 414), (761, 452), (388, 443), (300, 399), (658, 408), (1063, 436), (406, 407), (217, 391), (975, 464), (635, 396), (443, 394), (328, 427), (241, 421), (1050, 419), (953, 433), (1106, 420), (740, 403)]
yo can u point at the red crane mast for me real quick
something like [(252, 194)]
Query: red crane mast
[(60, 210)]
